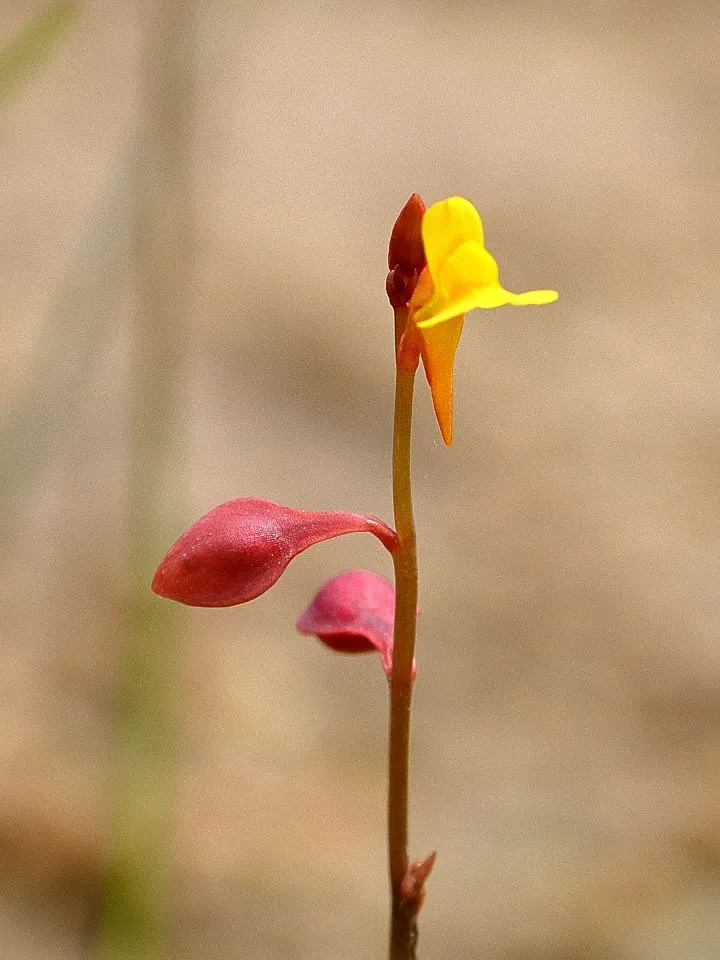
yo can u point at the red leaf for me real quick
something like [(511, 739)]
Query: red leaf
[(238, 550)]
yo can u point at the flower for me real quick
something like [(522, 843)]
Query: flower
[(464, 275), (461, 275), (238, 550)]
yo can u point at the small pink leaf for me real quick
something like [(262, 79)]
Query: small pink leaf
[(354, 612), (412, 889), (238, 550)]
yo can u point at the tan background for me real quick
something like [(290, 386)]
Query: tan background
[(566, 756)]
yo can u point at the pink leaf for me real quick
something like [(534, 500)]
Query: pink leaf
[(354, 612), (412, 888), (238, 550)]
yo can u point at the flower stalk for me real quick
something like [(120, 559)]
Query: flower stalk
[(403, 928)]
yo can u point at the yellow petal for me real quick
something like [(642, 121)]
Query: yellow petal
[(469, 280), (483, 298), (438, 347), (423, 291), (532, 297), (438, 312), (469, 267), (447, 225)]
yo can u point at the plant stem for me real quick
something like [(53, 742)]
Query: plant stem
[(403, 930)]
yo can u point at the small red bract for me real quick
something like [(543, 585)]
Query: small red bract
[(240, 549), (413, 884), (354, 612)]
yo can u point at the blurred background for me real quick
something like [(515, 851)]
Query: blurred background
[(196, 203)]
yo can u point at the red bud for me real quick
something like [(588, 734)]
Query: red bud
[(406, 247), (238, 550), (354, 612)]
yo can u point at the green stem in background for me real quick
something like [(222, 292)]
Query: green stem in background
[(34, 46), (403, 932), (134, 906)]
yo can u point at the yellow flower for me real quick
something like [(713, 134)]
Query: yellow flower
[(460, 276)]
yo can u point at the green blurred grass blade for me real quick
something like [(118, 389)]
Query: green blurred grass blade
[(135, 908), (26, 53), (78, 326)]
